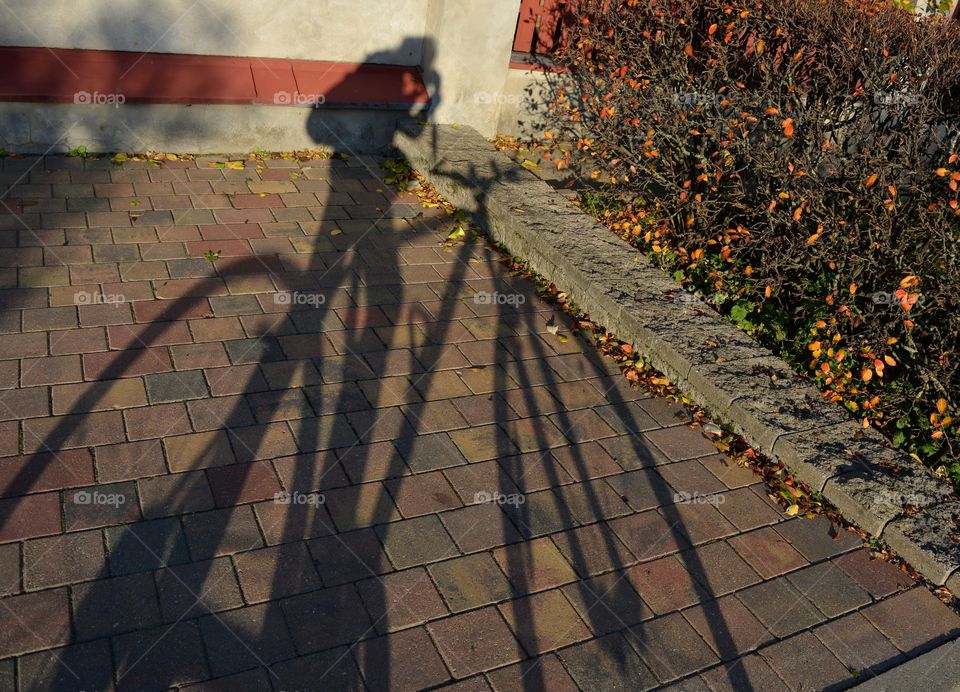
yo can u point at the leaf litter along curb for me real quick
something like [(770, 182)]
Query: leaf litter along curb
[(795, 497)]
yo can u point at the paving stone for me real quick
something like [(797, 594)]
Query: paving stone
[(745, 510), (416, 541), (221, 532), (197, 588), (483, 442), (244, 638), (780, 607), (401, 661), (62, 559), (749, 672), (293, 516), (240, 483), (334, 667), (545, 672), (690, 477), (534, 471), (102, 505), (879, 577), (220, 412), (806, 662), (544, 621), (175, 386), (533, 434), (65, 432), (172, 494), (767, 552), (728, 627), (538, 514), (480, 527), (152, 422), (670, 647), (593, 549), (42, 622), (476, 641), (633, 451), (627, 418), (269, 441), (197, 451), (145, 545), (257, 679), (81, 666), (401, 599), (9, 569), (858, 644), (585, 461), (349, 556), (718, 568), (830, 589), (534, 565), (608, 663), (130, 363), (323, 432), (697, 520), (591, 501), (648, 535), (666, 584), (480, 481), (45, 471), (471, 581), (913, 620), (130, 460), (171, 655), (607, 603), (271, 573), (817, 539), (359, 506), (115, 605)]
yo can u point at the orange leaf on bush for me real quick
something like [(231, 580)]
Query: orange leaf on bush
[(788, 127)]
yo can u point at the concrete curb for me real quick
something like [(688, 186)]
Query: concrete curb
[(740, 383), (935, 671)]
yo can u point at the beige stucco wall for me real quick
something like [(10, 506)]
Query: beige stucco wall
[(344, 30)]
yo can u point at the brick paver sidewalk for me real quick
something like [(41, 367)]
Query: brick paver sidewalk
[(464, 496)]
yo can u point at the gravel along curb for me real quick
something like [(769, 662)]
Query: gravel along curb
[(740, 383)]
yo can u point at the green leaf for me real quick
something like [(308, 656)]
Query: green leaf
[(739, 312)]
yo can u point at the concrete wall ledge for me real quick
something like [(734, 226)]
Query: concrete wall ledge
[(738, 382)]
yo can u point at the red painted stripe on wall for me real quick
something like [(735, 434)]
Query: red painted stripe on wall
[(59, 75)]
